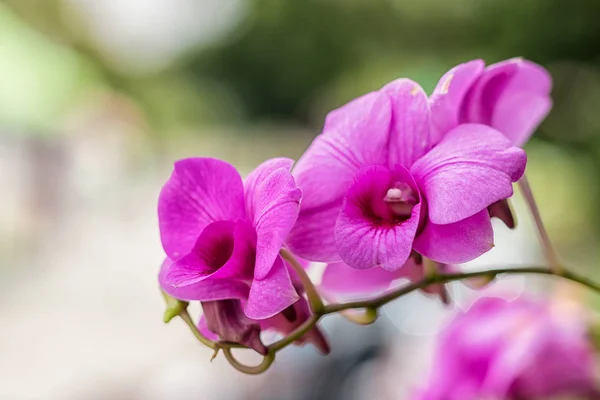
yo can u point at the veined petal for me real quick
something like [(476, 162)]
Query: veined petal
[(367, 232), (313, 236), (339, 277), (276, 204), (204, 290), (518, 114), (487, 90), (259, 175), (224, 250), (410, 136), (354, 135), (212, 250), (457, 242), (448, 97), (200, 191), (524, 103), (472, 168), (272, 294)]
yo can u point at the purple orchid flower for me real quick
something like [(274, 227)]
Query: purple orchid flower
[(376, 185), (222, 237), (512, 96), (523, 349)]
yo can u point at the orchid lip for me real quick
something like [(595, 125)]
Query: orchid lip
[(400, 199)]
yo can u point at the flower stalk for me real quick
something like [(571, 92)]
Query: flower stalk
[(371, 306), (314, 300), (549, 252)]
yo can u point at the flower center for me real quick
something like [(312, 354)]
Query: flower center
[(400, 199)]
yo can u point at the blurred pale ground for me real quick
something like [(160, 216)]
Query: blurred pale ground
[(99, 97)]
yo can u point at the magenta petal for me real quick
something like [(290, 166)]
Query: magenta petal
[(532, 78), (272, 294), (276, 204), (517, 115), (259, 175), (410, 128), (449, 94), (200, 191), (227, 319), (473, 167), (207, 333), (458, 242), (212, 250), (339, 277), (223, 250), (313, 236), (485, 93), (240, 264), (365, 236), (207, 289), (354, 135)]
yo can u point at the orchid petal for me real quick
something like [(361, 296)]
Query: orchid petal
[(365, 237), (472, 168), (457, 242), (410, 129), (448, 97), (272, 294), (200, 191), (259, 175), (313, 236), (517, 115), (207, 333), (339, 277), (487, 90), (217, 289), (354, 135), (276, 204)]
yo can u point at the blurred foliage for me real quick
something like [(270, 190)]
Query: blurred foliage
[(288, 62)]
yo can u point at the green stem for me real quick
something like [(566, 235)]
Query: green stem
[(184, 315), (549, 251), (314, 300), (372, 304), (385, 298), (296, 333), (258, 369)]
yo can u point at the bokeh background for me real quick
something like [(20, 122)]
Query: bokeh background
[(99, 97)]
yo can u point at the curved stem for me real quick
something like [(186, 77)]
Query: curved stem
[(549, 251), (255, 370), (314, 300), (385, 298), (296, 333), (185, 315), (372, 305)]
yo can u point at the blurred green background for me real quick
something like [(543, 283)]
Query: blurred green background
[(98, 97)]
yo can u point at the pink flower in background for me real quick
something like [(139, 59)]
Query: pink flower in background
[(512, 350), (375, 187), (511, 96), (222, 236), (339, 279)]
